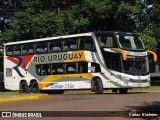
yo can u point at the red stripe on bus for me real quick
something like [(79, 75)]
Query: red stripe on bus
[(26, 59)]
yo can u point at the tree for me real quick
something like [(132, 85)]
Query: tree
[(38, 18), (150, 30)]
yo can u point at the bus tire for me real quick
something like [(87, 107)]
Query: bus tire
[(34, 87), (92, 86), (98, 86), (123, 90), (24, 88)]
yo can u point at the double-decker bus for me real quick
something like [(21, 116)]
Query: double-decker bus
[(94, 60)]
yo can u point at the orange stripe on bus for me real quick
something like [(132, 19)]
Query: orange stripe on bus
[(52, 78), (79, 59), (154, 55), (41, 86), (124, 55)]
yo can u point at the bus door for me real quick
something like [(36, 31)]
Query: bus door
[(13, 77), (9, 78), (113, 62)]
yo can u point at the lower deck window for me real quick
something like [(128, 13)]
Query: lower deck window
[(62, 68)]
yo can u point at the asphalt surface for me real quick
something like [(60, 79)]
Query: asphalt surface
[(92, 104)]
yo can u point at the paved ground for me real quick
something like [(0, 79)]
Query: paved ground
[(72, 101)]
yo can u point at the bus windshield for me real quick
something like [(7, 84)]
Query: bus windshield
[(130, 42), (136, 66)]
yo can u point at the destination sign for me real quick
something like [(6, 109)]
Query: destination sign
[(136, 53)]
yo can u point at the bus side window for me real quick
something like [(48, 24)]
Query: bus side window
[(30, 48), (95, 67), (70, 44), (113, 61), (46, 70), (73, 47), (60, 68), (43, 69), (17, 50), (41, 48), (9, 50), (101, 44), (83, 67), (66, 48), (8, 72), (87, 44), (107, 41), (71, 68), (24, 50), (53, 69), (67, 43), (38, 69), (55, 46)]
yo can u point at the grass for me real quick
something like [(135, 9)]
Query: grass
[(149, 89), (15, 94)]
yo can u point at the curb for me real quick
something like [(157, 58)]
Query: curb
[(23, 98), (68, 92), (138, 92), (148, 91)]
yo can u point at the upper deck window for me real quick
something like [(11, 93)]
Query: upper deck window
[(87, 43), (70, 44), (106, 40), (9, 50), (56, 46), (27, 49), (17, 50), (130, 42), (41, 48)]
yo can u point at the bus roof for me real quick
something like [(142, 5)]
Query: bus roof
[(115, 32), (50, 38), (69, 36)]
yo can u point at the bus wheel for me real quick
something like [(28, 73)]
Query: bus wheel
[(123, 90), (98, 86), (92, 86), (34, 87), (24, 87)]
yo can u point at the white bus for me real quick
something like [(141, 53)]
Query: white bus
[(95, 60)]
